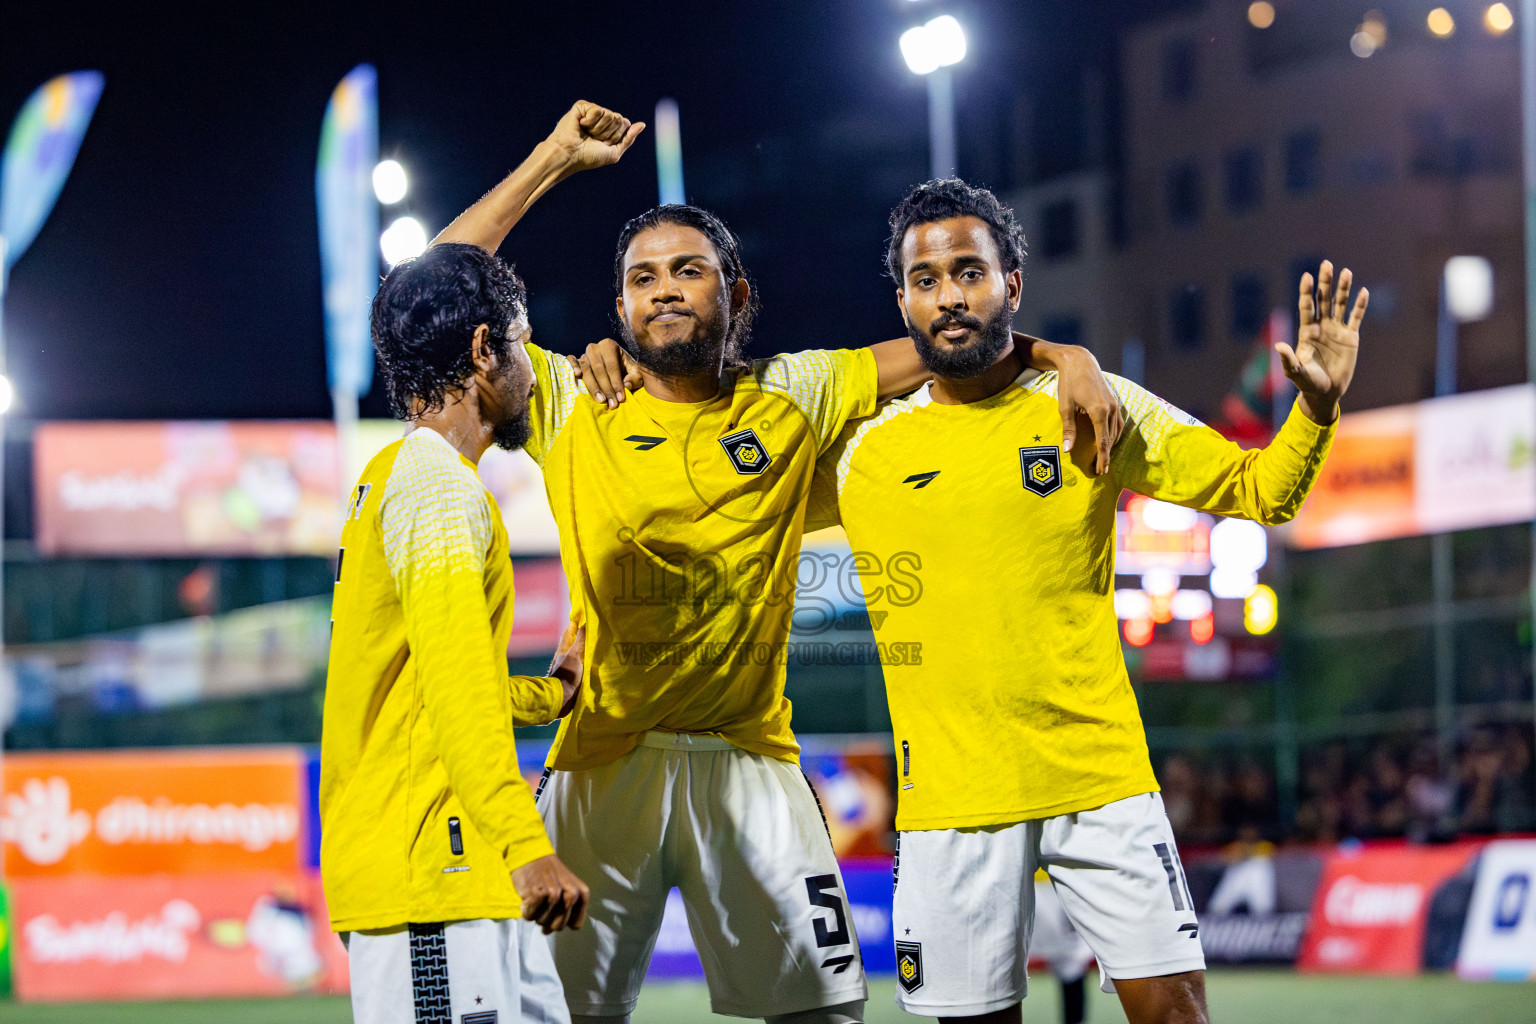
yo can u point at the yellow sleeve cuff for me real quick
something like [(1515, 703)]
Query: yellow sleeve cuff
[(536, 700), (1302, 431), (526, 851)]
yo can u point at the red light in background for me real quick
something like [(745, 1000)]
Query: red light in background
[(1138, 632), (1202, 629)]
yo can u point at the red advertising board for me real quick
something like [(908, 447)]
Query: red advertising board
[(1371, 906), (234, 933), (541, 609), (152, 811)]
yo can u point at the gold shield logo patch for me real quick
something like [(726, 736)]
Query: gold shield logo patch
[(1042, 469), (746, 452), (909, 965)]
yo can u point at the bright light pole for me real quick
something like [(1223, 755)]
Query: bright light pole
[(1466, 294), (1528, 148), (931, 50)]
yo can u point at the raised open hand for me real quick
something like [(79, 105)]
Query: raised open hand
[(1327, 342)]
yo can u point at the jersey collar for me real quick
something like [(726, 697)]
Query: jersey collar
[(924, 395)]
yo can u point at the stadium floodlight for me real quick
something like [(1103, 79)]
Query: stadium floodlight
[(938, 44), (1498, 19), (930, 50), (402, 240), (1261, 14), (1469, 287), (1441, 23), (7, 393), (389, 182)]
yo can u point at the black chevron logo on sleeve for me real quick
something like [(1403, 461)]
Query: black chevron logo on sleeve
[(921, 480), (643, 443)]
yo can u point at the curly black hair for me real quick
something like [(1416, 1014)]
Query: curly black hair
[(944, 198), (425, 316), (726, 244)]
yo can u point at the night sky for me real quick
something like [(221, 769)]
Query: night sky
[(179, 275)]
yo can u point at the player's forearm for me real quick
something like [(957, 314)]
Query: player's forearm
[(536, 700), (1200, 469), (487, 222), (1285, 470), (470, 714), (1039, 354), (899, 368), (461, 681)]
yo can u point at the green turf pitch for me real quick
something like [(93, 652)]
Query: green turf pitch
[(1249, 997)]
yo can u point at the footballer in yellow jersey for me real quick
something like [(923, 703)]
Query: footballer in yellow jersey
[(1018, 735), (680, 514), (436, 864)]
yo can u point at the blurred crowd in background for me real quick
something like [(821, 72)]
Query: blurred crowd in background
[(1387, 787)]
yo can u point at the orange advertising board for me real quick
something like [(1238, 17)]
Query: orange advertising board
[(246, 933), (1365, 490), (235, 488), (152, 811)]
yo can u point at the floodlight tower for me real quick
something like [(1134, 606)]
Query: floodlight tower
[(930, 50)]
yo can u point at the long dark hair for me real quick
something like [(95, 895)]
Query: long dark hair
[(726, 244)]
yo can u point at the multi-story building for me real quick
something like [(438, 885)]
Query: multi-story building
[(1249, 154)]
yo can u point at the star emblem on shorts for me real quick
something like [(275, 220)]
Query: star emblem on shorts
[(478, 1000), (1037, 437)]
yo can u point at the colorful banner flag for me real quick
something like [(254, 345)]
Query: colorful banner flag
[(349, 227), (39, 154), (669, 152)]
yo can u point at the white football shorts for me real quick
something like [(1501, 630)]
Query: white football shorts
[(965, 904), (742, 837), (1054, 940), (486, 971)]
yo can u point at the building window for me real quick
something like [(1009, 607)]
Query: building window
[(1303, 161), (1062, 328), (1058, 230), (1182, 190), (1244, 179), (1178, 69), (1186, 316), (1248, 302)]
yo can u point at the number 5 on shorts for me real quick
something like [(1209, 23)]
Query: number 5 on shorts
[(816, 887)]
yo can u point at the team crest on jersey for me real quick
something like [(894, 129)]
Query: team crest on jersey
[(746, 452), (1042, 468), (909, 965)]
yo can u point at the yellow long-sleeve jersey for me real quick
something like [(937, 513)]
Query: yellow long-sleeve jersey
[(1008, 691), (680, 528), (423, 811)]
